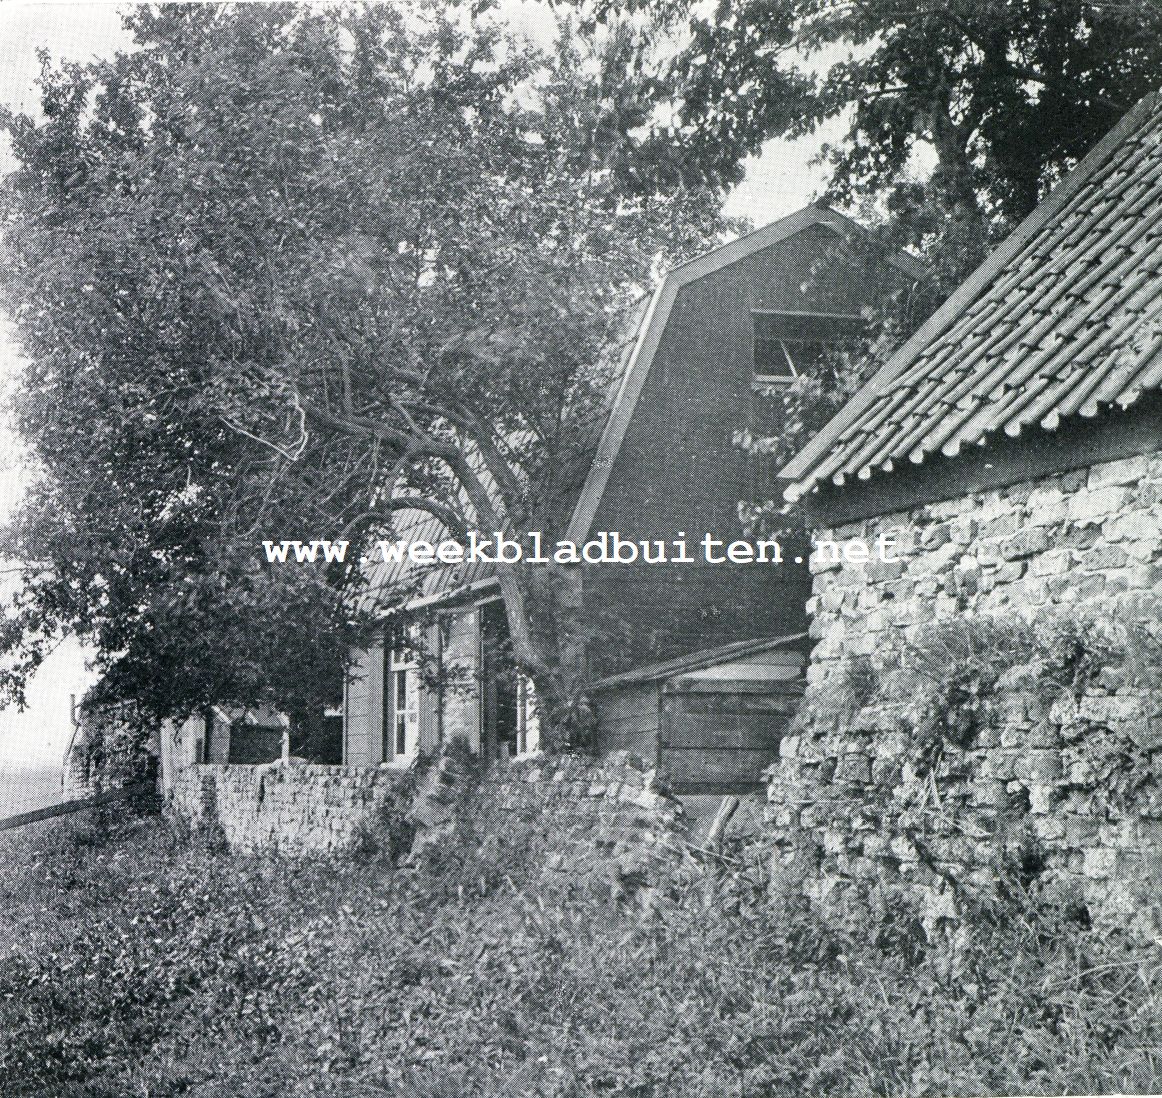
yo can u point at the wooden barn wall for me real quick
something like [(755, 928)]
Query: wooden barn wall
[(678, 468), (218, 742), (722, 739), (627, 720)]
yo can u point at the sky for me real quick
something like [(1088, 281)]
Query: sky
[(777, 183)]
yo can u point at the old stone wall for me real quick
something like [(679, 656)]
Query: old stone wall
[(296, 810), (1067, 781), (579, 820), (588, 811), (1084, 537)]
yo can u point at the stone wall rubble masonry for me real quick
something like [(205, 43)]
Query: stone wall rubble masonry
[(1089, 539), (613, 808), (296, 809)]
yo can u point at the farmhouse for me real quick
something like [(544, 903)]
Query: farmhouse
[(711, 352), (1013, 451)]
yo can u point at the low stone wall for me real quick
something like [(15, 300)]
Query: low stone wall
[(609, 819), (590, 812), (291, 809)]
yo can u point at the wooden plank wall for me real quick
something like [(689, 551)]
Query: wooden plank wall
[(363, 727), (720, 741), (627, 720)]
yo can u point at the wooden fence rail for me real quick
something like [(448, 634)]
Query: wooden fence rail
[(66, 807)]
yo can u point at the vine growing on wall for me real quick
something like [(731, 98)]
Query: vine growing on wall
[(947, 697)]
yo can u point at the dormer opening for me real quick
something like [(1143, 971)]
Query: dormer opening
[(788, 344)]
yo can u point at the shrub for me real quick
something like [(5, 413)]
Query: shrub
[(144, 965)]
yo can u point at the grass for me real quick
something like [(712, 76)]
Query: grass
[(134, 962)]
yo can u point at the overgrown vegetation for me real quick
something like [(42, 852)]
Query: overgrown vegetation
[(133, 962), (975, 750)]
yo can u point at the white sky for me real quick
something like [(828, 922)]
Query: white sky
[(776, 184)]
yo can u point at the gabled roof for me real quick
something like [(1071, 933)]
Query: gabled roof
[(1064, 318), (631, 355), (654, 324)]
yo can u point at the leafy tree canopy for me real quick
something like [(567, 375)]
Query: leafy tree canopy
[(279, 272), (1003, 96)]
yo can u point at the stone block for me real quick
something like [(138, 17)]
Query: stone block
[(1040, 798), (948, 509), (1048, 515), (935, 536), (831, 601), (1044, 495), (1140, 606), (1002, 526), (1138, 526), (999, 766), (854, 767), (1099, 863), (1025, 543), (882, 571), (903, 848), (1090, 587), (1115, 473), (1010, 571), (1086, 507), (1103, 556), (1056, 562), (988, 552), (963, 530), (990, 794), (993, 505)]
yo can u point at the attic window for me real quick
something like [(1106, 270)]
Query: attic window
[(787, 344)]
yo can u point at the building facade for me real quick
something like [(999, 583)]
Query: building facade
[(712, 354), (1011, 456)]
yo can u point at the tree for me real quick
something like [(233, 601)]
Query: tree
[(283, 273), (1004, 96)]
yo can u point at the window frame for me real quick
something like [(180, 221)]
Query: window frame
[(760, 381), (402, 661)]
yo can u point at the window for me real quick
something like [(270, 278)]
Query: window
[(787, 344), (403, 698), (405, 707)]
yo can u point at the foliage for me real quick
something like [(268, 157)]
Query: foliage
[(942, 701), (168, 968), (119, 745), (285, 272), (946, 681), (1003, 97)]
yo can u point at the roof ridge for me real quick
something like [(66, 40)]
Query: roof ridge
[(657, 316)]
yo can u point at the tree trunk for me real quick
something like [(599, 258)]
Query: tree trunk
[(538, 611)]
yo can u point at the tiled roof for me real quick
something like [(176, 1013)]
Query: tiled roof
[(1064, 319)]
